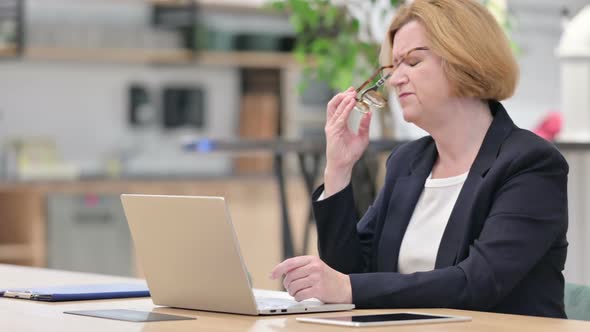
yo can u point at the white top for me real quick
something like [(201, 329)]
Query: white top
[(422, 238)]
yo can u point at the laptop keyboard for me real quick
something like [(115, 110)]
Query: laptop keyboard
[(274, 303), (267, 299)]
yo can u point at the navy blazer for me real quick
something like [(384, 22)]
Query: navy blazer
[(503, 249)]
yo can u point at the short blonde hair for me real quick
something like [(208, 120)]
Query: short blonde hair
[(477, 57)]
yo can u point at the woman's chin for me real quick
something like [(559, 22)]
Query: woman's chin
[(409, 116)]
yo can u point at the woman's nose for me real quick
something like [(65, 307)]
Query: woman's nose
[(398, 78)]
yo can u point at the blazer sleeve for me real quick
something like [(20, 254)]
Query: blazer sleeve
[(527, 217), (344, 244)]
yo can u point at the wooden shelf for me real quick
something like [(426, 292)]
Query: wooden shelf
[(250, 59), (8, 51), (171, 2), (172, 56), (253, 205), (107, 55), (256, 5), (22, 239), (16, 252)]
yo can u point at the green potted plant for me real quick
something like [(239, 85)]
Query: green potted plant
[(337, 41)]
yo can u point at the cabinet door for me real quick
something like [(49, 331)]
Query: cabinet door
[(88, 233)]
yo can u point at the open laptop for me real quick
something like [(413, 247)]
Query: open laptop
[(191, 259)]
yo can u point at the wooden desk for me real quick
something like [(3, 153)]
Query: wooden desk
[(23, 315)]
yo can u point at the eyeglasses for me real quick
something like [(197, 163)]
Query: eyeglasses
[(373, 95)]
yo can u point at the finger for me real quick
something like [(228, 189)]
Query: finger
[(364, 125), (300, 284), (342, 116), (335, 101), (304, 294), (296, 274), (288, 265), (347, 102)]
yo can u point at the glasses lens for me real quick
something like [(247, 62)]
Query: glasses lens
[(361, 107), (375, 98)]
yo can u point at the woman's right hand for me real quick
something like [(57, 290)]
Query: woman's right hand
[(343, 146)]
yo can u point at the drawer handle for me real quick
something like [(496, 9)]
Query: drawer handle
[(94, 218)]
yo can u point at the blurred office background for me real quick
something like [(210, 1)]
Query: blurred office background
[(103, 97)]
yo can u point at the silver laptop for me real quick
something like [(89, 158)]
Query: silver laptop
[(191, 259)]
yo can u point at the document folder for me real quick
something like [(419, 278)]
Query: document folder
[(79, 292)]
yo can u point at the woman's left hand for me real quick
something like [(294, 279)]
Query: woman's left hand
[(309, 277)]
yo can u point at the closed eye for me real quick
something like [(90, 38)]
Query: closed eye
[(412, 63)]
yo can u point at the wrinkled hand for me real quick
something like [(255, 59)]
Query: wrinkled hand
[(309, 277), (343, 146)]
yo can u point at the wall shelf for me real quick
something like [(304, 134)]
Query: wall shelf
[(246, 59), (106, 55), (252, 5)]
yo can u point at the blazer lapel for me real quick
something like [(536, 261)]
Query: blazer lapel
[(460, 218), (458, 222), (405, 194)]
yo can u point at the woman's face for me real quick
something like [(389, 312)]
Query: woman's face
[(419, 81)]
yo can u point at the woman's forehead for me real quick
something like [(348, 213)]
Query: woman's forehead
[(408, 37)]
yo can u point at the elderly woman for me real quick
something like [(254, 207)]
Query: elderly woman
[(473, 216)]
